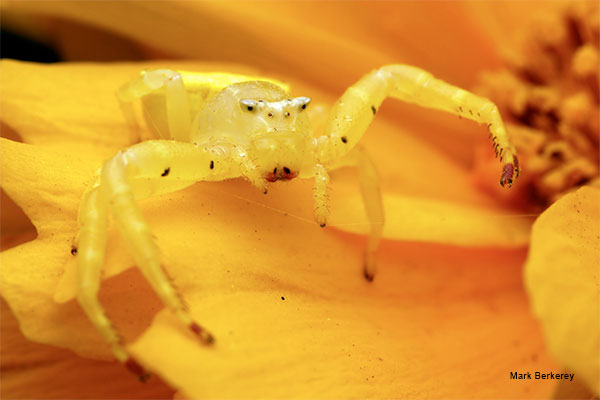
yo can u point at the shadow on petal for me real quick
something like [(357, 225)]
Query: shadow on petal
[(36, 371)]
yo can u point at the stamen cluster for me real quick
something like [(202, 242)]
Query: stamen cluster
[(549, 96)]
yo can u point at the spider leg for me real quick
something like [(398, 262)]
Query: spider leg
[(320, 195), (249, 170), (129, 175), (357, 107), (90, 257), (371, 194), (372, 200), (170, 116)]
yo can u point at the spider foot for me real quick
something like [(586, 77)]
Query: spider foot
[(510, 172), (321, 214), (205, 336), (132, 365), (369, 267)]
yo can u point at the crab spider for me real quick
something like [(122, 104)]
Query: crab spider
[(211, 127)]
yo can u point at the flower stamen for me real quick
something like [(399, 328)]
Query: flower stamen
[(549, 96)]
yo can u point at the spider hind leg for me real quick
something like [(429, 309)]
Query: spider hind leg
[(164, 101), (129, 175), (90, 257)]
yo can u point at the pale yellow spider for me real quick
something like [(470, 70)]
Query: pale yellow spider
[(216, 126)]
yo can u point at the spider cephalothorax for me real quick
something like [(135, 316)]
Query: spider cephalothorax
[(280, 134), (216, 126), (266, 127)]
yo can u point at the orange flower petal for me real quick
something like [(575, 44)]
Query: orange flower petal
[(35, 371), (502, 22), (330, 44), (15, 224), (246, 260), (61, 119), (434, 220), (292, 330), (228, 249), (346, 39), (562, 275)]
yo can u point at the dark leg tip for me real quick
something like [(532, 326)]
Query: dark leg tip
[(323, 225), (508, 172), (133, 366), (369, 276), (209, 339), (204, 336)]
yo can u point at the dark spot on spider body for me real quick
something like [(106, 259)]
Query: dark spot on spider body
[(74, 250), (166, 172), (212, 164), (374, 110), (250, 108), (344, 139)]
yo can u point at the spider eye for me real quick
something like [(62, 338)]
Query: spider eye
[(302, 102), (247, 104)]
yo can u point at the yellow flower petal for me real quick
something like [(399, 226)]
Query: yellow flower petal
[(65, 105), (562, 275), (46, 184)]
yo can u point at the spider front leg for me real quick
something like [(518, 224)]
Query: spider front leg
[(249, 170), (371, 195), (320, 195), (354, 111), (357, 107), (143, 170)]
